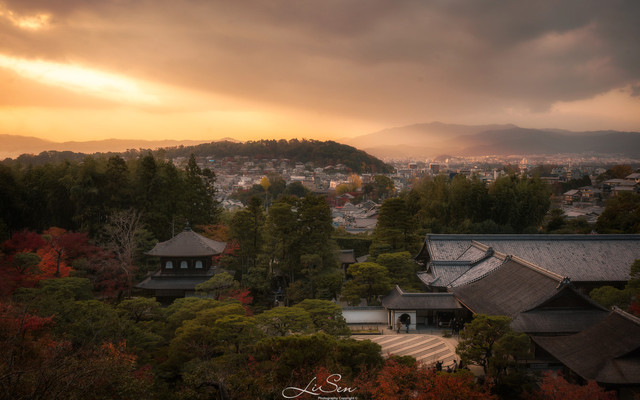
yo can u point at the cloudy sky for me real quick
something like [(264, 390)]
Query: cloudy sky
[(322, 69)]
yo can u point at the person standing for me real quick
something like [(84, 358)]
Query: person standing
[(398, 325)]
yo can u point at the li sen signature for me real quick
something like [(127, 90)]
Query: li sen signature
[(315, 388)]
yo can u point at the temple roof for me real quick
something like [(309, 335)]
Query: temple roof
[(508, 289), (397, 299), (561, 321), (607, 352), (188, 244), (582, 258)]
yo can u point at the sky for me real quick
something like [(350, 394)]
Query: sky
[(78, 70)]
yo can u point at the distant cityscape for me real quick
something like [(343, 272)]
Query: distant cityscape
[(357, 213)]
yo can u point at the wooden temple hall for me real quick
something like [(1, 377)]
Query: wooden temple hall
[(186, 260), (542, 283)]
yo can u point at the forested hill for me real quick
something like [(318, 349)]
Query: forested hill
[(320, 153)]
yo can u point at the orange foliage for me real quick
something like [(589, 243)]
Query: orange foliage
[(400, 381), (243, 296), (555, 387), (48, 262), (634, 308)]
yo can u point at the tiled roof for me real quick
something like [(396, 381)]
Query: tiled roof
[(399, 300), (188, 244), (443, 274), (478, 270), (512, 287), (560, 321), (583, 258), (179, 282), (608, 352), (472, 253)]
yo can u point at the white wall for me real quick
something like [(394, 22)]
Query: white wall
[(365, 315)]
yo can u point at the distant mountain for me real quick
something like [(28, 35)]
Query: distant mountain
[(12, 146), (432, 139)]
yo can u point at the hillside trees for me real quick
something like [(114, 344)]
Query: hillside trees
[(247, 228), (395, 229), (402, 270), (510, 204), (369, 281), (200, 207), (77, 196), (300, 245), (627, 298), (621, 214), (489, 341)]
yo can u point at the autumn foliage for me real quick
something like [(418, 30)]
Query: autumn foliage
[(398, 380), (36, 365), (28, 257), (555, 387)]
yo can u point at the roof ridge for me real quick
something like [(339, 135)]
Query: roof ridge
[(488, 251), (537, 268), (419, 294), (624, 314), (564, 286), (505, 236), (504, 260)]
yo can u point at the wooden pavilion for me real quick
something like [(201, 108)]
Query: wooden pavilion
[(186, 260)]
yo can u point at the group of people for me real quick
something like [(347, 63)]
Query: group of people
[(399, 324), (456, 366)]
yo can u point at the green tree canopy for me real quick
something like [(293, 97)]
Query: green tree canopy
[(369, 280), (282, 321), (395, 229), (489, 341), (621, 214), (326, 316)]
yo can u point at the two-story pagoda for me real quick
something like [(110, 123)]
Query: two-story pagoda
[(186, 260)]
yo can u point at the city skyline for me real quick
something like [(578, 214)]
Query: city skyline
[(74, 71)]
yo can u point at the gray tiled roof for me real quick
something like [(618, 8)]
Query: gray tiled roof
[(399, 300), (508, 289), (442, 274), (478, 271), (559, 321), (583, 258), (607, 352), (472, 253), (188, 244)]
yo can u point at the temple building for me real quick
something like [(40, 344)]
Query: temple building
[(186, 260), (607, 352)]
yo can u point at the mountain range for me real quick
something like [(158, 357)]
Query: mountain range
[(11, 146), (432, 139), (418, 141)]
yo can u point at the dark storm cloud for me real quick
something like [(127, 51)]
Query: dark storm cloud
[(400, 58)]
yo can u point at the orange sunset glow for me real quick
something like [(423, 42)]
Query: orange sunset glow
[(76, 71)]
